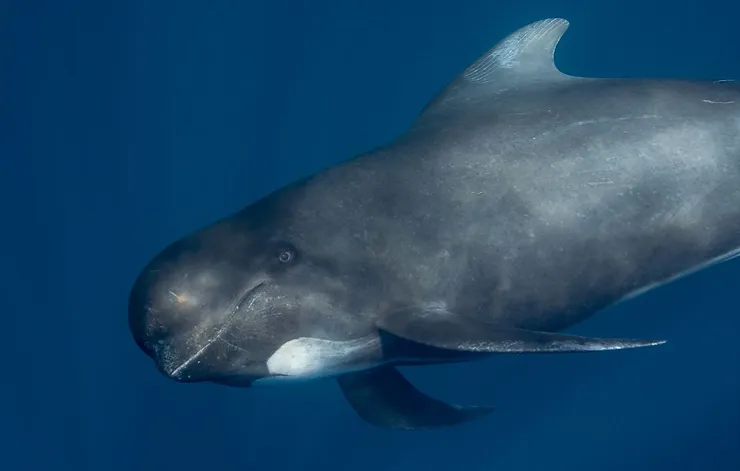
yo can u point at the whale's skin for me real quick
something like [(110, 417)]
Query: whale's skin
[(519, 203)]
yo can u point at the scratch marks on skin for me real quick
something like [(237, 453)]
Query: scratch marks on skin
[(216, 337), (600, 182), (595, 121), (506, 55), (721, 102), (664, 165), (235, 347)]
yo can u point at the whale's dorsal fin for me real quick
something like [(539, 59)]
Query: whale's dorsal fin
[(524, 57), (528, 53)]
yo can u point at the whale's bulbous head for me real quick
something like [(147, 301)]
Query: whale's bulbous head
[(188, 303), (217, 305)]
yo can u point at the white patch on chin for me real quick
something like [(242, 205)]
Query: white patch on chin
[(309, 358)]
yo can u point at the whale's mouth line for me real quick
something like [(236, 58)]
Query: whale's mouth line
[(248, 295)]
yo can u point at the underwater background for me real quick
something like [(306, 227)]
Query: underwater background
[(127, 124)]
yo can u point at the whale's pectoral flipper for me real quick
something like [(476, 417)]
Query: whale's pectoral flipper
[(442, 329), (383, 397)]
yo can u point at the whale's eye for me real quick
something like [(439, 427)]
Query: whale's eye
[(285, 255)]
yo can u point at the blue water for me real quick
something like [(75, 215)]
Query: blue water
[(126, 124)]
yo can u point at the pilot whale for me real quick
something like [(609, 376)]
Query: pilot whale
[(521, 201)]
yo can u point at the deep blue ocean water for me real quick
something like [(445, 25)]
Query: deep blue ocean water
[(127, 124)]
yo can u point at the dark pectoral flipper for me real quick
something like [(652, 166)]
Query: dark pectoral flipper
[(383, 397), (442, 329)]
